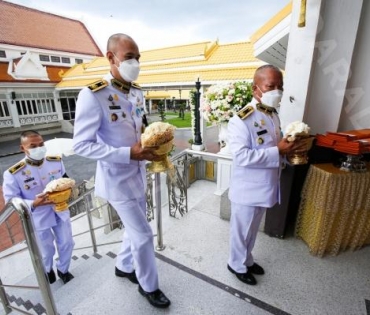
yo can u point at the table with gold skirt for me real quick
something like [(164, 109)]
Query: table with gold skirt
[(334, 213)]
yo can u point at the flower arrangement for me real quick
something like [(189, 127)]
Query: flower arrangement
[(221, 101), (296, 129)]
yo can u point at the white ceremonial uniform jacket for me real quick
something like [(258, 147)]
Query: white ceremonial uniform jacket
[(26, 181), (107, 123), (256, 162)]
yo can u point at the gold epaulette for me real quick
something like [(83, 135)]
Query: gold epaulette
[(245, 112), (15, 168), (98, 85), (135, 85), (266, 109), (53, 158)]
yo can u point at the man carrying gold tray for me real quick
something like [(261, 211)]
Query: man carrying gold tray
[(27, 180)]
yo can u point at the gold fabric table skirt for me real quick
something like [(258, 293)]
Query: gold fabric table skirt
[(334, 213)]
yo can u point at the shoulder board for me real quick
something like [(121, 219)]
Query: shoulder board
[(53, 158), (15, 168), (136, 86), (245, 112), (98, 85)]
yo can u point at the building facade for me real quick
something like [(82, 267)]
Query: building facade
[(36, 48)]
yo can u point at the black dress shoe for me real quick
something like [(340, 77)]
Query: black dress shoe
[(129, 275), (245, 277), (156, 298), (66, 277), (256, 269), (51, 276)]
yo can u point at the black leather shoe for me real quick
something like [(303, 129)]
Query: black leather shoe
[(51, 276), (256, 269), (129, 275), (246, 277), (156, 298), (66, 277)]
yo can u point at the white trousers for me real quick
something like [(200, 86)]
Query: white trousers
[(244, 224), (137, 249), (62, 234)]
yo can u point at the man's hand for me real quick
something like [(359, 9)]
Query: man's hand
[(139, 153), (41, 200), (286, 147)]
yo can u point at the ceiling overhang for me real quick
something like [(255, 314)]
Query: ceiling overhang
[(270, 42)]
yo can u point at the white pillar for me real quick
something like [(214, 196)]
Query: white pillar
[(318, 63), (58, 106), (150, 106), (13, 110)]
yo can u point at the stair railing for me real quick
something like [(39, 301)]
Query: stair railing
[(18, 205)]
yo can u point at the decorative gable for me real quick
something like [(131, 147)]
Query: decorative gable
[(28, 67)]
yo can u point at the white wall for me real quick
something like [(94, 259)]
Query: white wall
[(323, 64), (356, 110)]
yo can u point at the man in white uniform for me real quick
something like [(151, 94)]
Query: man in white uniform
[(108, 126), (27, 179), (257, 149)]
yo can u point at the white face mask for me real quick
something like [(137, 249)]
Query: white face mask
[(271, 98), (37, 153), (129, 69)]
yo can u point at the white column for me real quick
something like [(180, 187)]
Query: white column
[(224, 167), (150, 106), (300, 54), (58, 106), (13, 110), (318, 63)]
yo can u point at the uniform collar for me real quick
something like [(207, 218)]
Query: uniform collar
[(263, 108), (33, 162), (121, 86)]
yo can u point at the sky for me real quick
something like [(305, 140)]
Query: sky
[(163, 23)]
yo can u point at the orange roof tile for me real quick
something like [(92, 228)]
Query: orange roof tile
[(53, 74), (28, 27)]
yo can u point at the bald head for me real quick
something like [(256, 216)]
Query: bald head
[(263, 70), (114, 40), (266, 78)]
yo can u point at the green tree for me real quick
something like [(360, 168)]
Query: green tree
[(161, 110), (182, 107)]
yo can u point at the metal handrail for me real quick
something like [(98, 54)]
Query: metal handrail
[(19, 205)]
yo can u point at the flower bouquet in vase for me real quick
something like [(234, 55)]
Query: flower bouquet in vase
[(161, 135), (221, 102), (59, 191), (299, 131)]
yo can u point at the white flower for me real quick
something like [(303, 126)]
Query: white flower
[(296, 128), (223, 101)]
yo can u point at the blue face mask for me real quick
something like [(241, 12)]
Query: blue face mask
[(37, 153)]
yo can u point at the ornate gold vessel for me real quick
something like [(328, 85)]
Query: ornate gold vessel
[(60, 199), (164, 163), (299, 156)]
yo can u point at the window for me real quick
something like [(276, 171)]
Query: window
[(44, 58), (78, 61), (66, 60), (2, 54), (4, 111), (55, 59)]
